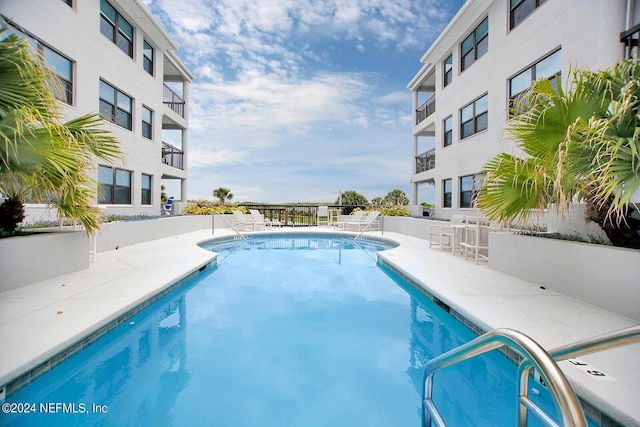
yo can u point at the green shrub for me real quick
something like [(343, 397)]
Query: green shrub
[(205, 207)]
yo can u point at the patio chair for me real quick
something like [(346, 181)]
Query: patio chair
[(259, 219), (323, 216), (476, 238), (167, 208), (241, 221), (447, 232), (366, 222), (354, 217)]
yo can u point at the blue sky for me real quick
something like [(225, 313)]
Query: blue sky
[(295, 100)]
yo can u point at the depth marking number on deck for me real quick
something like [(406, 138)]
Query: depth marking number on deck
[(590, 370)]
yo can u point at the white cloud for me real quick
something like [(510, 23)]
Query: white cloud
[(285, 92)]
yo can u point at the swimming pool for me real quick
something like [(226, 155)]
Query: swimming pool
[(287, 330)]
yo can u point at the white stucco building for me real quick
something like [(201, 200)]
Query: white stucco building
[(115, 58), (491, 51)]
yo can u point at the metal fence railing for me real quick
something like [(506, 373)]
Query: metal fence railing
[(298, 215)]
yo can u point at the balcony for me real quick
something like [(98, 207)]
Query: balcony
[(427, 108), (172, 156), (630, 39), (426, 161), (172, 100)]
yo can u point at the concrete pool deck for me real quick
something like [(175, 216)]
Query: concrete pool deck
[(50, 319)]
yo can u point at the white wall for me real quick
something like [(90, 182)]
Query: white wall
[(28, 259), (603, 276)]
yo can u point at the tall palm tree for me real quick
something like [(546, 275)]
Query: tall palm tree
[(41, 157), (222, 194), (582, 145)]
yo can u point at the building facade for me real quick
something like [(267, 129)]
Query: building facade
[(114, 58), (489, 53)]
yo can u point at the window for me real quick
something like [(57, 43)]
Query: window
[(115, 106), (549, 67), (59, 64), (447, 131), (475, 45), (116, 28), (474, 117), (446, 193), (147, 57), (115, 186), (147, 122), (146, 189), (447, 70), (69, 2), (468, 190), (520, 9)]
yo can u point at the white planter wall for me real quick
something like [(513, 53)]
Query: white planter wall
[(603, 276), (28, 259)]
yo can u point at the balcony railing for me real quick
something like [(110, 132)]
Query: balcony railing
[(427, 108), (173, 101), (630, 39), (426, 161), (172, 156)]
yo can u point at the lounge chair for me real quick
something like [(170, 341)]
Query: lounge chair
[(260, 220), (448, 233), (368, 223), (167, 208), (354, 217), (242, 221), (323, 217)]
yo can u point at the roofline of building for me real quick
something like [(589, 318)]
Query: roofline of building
[(455, 30)]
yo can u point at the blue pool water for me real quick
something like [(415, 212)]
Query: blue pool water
[(286, 331)]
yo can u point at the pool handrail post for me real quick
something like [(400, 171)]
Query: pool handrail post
[(230, 225)]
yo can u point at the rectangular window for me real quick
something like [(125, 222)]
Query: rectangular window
[(146, 189), (520, 9), (549, 67), (446, 193), (447, 70), (475, 45), (467, 191), (147, 57), (115, 186), (447, 131), (59, 64), (116, 28), (115, 106), (147, 122), (474, 117)]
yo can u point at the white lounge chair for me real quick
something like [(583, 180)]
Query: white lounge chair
[(368, 223), (354, 217), (242, 221), (323, 217), (260, 220), (446, 233)]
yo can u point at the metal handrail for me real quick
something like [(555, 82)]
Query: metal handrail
[(371, 221), (570, 410), (230, 225), (596, 344)]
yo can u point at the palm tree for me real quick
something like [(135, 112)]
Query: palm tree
[(222, 194), (582, 145), (396, 197), (42, 158)]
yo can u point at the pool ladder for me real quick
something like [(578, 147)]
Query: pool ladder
[(534, 356)]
